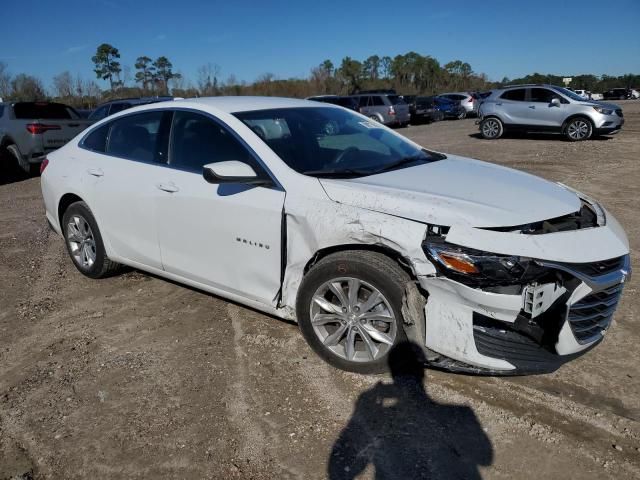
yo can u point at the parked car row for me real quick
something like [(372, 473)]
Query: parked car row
[(389, 108), (383, 106), (621, 94)]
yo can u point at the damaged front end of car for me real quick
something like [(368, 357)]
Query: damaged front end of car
[(522, 301)]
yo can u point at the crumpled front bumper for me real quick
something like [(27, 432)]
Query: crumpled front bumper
[(498, 333)]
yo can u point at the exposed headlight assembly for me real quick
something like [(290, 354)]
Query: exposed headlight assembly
[(604, 111), (477, 268)]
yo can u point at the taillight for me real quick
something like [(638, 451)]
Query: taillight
[(44, 164), (392, 111), (38, 128), (470, 100)]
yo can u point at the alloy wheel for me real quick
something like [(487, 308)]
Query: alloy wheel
[(81, 241), (578, 130), (353, 319), (490, 128)]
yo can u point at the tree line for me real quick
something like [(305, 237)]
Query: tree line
[(409, 73)]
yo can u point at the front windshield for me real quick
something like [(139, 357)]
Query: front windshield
[(333, 142), (569, 93)]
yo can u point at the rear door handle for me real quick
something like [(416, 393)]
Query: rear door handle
[(96, 172), (168, 187), (532, 106)]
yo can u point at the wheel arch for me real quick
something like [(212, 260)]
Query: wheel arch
[(65, 201), (573, 117), (389, 252)]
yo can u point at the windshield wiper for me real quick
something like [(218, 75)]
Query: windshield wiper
[(401, 162), (337, 173), (428, 156)]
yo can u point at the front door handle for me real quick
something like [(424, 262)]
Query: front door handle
[(532, 106), (168, 187), (96, 172)]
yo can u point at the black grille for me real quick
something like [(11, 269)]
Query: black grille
[(619, 112), (586, 217), (501, 340), (595, 269), (591, 315)]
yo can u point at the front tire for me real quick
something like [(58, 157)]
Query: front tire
[(578, 129), (491, 128), (349, 310), (84, 242)]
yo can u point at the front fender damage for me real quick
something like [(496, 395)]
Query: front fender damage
[(347, 226)]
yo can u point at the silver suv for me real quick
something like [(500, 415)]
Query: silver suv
[(546, 108)]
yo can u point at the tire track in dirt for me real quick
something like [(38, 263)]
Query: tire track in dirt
[(244, 406)]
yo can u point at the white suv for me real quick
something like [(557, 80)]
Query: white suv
[(546, 108), (316, 213)]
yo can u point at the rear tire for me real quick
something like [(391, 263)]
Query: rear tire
[(28, 168), (339, 317), (375, 118), (491, 128), (84, 242), (578, 129)]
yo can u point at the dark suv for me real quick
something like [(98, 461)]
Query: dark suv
[(115, 106), (422, 109), (346, 102)]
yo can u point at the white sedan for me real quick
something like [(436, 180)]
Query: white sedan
[(313, 212)]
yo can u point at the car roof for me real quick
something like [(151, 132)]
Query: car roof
[(136, 100), (235, 104)]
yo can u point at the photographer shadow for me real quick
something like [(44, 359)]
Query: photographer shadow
[(404, 434)]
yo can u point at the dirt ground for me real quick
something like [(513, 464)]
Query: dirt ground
[(138, 377)]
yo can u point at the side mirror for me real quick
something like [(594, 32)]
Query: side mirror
[(233, 171), (555, 102)]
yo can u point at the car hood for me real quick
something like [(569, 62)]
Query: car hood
[(597, 103), (457, 191)]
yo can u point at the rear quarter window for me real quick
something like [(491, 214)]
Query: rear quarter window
[(97, 139)]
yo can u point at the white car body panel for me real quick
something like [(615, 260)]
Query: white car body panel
[(238, 249), (167, 232), (439, 193)]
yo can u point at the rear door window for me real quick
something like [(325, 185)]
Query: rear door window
[(363, 101), (517, 94), (377, 101), (141, 137), (543, 95)]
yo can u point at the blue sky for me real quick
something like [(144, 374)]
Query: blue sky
[(247, 38)]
